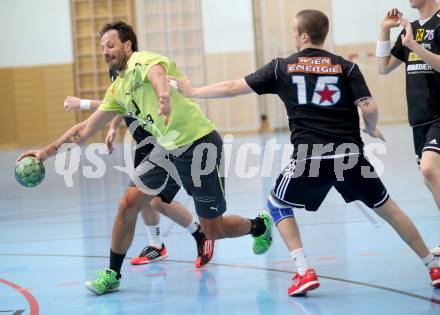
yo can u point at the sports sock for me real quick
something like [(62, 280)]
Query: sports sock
[(196, 231), (153, 232), (431, 262), (257, 227), (116, 261), (193, 226), (300, 260)]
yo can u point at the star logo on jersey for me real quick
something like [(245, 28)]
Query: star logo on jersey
[(328, 96)]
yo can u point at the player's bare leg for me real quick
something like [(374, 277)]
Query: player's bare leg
[(305, 279), (122, 237), (406, 229), (225, 226), (430, 168), (175, 211), (125, 221)]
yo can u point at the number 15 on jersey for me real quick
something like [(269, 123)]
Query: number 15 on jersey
[(325, 93)]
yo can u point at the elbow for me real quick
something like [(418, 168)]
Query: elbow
[(230, 91), (233, 89), (371, 111), (383, 70)]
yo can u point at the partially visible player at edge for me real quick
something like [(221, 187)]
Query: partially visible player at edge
[(418, 47)]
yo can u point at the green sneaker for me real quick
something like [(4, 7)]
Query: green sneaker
[(106, 282), (263, 242)]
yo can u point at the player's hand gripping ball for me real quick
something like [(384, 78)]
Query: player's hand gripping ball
[(28, 172)]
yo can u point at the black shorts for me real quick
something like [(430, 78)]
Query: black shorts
[(139, 134), (296, 188), (151, 178), (426, 138), (198, 168), (206, 187)]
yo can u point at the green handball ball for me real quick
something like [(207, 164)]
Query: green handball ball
[(28, 172)]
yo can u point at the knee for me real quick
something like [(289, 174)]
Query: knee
[(279, 212), (156, 203), (429, 172), (127, 206)]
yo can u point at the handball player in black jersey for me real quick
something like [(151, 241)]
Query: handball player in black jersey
[(321, 93), (418, 47)]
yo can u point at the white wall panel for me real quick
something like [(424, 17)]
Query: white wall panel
[(35, 33)]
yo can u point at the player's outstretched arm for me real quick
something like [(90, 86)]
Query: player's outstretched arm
[(77, 134), (223, 89), (386, 62), (157, 76), (111, 134), (370, 114), (76, 103), (408, 40)]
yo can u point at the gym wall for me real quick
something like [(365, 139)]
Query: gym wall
[(52, 50), (36, 71)]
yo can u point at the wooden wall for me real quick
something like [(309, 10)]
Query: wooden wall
[(239, 114), (387, 90), (32, 109)]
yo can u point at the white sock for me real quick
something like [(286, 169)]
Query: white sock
[(193, 226), (153, 232), (431, 262), (436, 251), (300, 260)]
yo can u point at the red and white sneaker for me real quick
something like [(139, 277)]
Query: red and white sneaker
[(435, 277), (205, 251), (303, 284), (150, 254)]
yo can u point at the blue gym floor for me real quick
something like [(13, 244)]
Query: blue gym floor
[(54, 238)]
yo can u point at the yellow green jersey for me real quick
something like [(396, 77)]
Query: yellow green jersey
[(132, 94)]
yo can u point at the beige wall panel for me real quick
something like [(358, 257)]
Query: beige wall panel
[(387, 90), (30, 111), (236, 114), (8, 127), (36, 95), (57, 84)]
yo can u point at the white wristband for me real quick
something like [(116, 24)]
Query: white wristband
[(173, 84), (85, 104), (383, 49)]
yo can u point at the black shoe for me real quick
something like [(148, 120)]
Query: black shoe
[(205, 251)]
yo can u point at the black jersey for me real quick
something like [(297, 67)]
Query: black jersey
[(140, 133), (422, 81), (319, 90)]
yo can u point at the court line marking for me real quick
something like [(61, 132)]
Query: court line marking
[(360, 283), (33, 304)]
